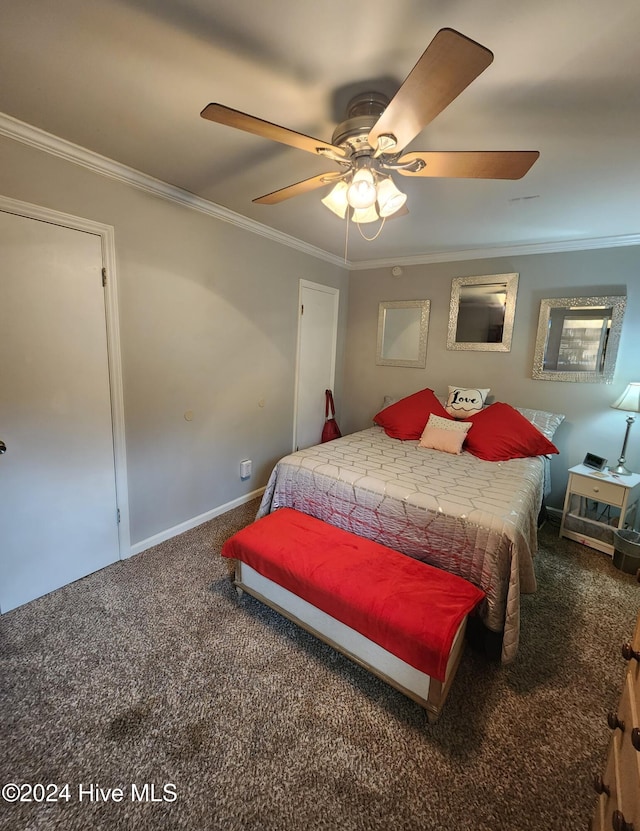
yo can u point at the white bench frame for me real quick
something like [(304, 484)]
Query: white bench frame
[(429, 692)]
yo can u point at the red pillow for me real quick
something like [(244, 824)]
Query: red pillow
[(406, 418), (499, 433)]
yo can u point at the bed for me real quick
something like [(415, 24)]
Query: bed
[(470, 516)]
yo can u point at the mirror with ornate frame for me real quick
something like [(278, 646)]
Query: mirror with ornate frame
[(481, 312), (578, 338), (402, 333)]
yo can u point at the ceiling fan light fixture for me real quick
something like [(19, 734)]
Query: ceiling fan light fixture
[(336, 199), (390, 198), (362, 193), (363, 215)]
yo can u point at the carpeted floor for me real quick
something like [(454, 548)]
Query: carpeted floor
[(152, 672)]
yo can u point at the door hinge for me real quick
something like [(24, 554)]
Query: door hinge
[(118, 515), (302, 309), (104, 277)]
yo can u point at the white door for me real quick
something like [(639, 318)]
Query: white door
[(58, 508), (317, 335)]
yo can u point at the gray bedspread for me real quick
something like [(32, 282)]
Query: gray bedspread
[(474, 518)]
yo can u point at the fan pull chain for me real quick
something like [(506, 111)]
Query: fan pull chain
[(346, 237), (376, 235)]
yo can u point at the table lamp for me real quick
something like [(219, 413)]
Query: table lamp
[(630, 401)]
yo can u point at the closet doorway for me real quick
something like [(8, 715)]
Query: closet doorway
[(59, 507), (316, 363)]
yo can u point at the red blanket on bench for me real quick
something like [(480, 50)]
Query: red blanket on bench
[(411, 609)]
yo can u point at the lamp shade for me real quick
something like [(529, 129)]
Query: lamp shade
[(362, 215), (390, 198), (362, 190), (336, 199), (630, 398)]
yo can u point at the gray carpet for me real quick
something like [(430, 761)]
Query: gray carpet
[(153, 672)]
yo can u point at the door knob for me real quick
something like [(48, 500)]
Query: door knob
[(628, 652), (3, 448), (614, 722)]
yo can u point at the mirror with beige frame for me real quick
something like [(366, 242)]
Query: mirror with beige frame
[(481, 312), (578, 339), (402, 333)]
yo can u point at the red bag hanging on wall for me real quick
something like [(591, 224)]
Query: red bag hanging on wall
[(330, 430)]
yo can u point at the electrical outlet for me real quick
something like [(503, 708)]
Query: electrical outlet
[(245, 469)]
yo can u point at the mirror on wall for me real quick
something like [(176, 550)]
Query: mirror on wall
[(578, 339), (402, 333), (481, 312)]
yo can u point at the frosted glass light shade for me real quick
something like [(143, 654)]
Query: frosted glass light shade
[(362, 215), (390, 199), (361, 193), (336, 199)]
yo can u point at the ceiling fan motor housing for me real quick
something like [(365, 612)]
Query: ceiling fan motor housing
[(363, 112)]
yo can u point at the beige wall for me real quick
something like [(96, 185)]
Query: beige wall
[(209, 321), (590, 425), (208, 315)]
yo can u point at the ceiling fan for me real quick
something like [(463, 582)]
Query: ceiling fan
[(369, 144)]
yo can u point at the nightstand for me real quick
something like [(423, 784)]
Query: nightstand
[(596, 504)]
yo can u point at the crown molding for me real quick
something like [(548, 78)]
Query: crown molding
[(35, 137), (41, 140), (515, 250)]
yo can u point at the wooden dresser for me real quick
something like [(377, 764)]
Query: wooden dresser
[(618, 788)]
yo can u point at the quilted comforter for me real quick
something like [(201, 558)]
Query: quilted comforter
[(474, 518)]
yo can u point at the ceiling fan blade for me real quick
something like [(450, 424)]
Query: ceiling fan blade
[(298, 189), (498, 164), (250, 124), (448, 65)]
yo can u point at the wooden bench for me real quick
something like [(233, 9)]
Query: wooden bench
[(401, 619)]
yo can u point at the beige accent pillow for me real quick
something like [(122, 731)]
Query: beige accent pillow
[(448, 424), (449, 441), (463, 402)]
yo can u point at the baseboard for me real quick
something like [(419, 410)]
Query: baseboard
[(156, 539), (555, 513)]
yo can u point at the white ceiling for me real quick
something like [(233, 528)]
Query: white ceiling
[(128, 79)]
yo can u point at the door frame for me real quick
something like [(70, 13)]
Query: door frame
[(112, 325), (334, 344)]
